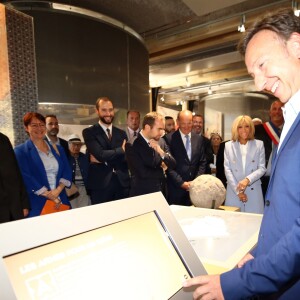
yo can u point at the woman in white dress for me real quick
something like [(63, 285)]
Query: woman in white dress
[(244, 164)]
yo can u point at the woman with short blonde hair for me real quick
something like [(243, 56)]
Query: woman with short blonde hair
[(244, 165), (237, 122)]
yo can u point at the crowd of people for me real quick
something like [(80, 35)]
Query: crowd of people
[(259, 165), (155, 154)]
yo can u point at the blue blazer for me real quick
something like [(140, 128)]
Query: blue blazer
[(254, 170), (276, 267), (35, 177)]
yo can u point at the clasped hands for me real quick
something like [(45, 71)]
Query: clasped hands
[(54, 194), (241, 187)]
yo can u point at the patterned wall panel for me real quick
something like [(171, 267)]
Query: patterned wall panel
[(23, 95)]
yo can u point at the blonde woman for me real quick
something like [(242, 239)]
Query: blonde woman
[(244, 164)]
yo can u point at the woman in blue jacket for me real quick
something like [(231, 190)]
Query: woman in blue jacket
[(45, 170)]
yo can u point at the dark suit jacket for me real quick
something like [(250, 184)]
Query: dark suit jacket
[(147, 175), (110, 155), (83, 162), (220, 173), (261, 134), (186, 170), (207, 151), (65, 146), (13, 195)]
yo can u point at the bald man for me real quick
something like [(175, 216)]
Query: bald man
[(188, 151)]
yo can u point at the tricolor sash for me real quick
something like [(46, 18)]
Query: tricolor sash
[(272, 132)]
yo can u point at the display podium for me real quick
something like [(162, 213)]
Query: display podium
[(220, 238), (127, 249)]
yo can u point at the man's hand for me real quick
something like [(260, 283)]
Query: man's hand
[(246, 258), (154, 144), (123, 145), (25, 212), (186, 185), (207, 287), (94, 160)]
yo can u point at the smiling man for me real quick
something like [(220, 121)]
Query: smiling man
[(272, 270), (108, 177), (188, 151)]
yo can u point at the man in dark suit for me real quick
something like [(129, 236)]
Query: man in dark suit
[(148, 157), (269, 133), (108, 177), (198, 122), (188, 151), (169, 127), (220, 164), (14, 202), (133, 125), (52, 130)]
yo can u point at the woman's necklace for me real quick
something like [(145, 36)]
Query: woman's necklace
[(43, 147)]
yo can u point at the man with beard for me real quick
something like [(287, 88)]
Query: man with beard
[(269, 133), (169, 124), (149, 157), (108, 177), (52, 130)]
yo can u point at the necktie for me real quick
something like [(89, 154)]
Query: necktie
[(108, 134), (188, 146), (134, 133)]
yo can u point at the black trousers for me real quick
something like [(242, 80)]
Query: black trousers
[(113, 191)]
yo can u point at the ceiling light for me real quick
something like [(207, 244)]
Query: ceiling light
[(295, 8), (241, 27), (162, 99)]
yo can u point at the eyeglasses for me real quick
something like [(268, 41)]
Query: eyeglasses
[(36, 125)]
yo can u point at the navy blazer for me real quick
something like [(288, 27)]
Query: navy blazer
[(83, 162), (145, 166), (276, 266), (186, 170), (35, 177), (110, 155)]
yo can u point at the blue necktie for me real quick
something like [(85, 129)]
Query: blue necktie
[(188, 146)]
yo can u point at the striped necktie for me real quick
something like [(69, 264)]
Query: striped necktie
[(108, 134), (188, 146)]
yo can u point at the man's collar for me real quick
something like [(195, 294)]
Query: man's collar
[(183, 135), (105, 126), (141, 133)]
